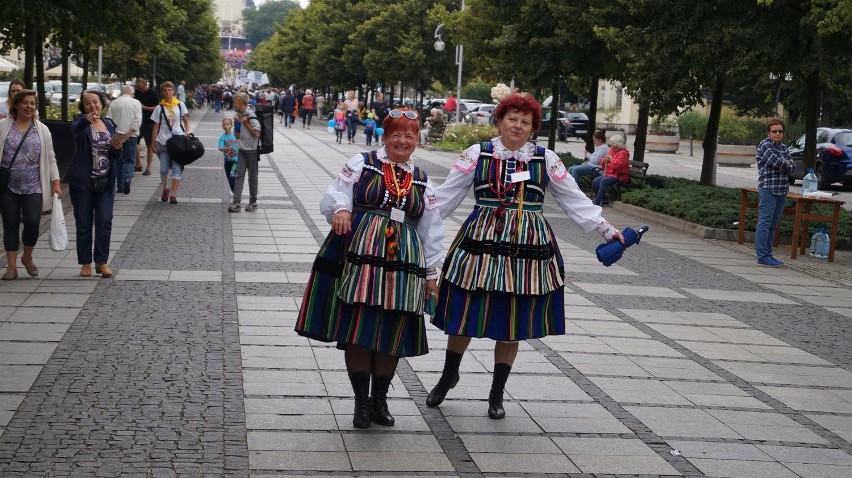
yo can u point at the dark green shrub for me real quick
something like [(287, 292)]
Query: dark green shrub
[(692, 124)]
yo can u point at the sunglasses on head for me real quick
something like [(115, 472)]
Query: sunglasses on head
[(412, 115)]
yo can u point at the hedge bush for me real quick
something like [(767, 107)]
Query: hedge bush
[(459, 137)]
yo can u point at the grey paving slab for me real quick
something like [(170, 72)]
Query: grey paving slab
[(809, 400), (391, 442), (483, 424), (662, 367), (295, 441), (790, 454), (300, 460), (267, 421), (523, 463), (399, 461), (740, 296), (635, 290), (740, 468), (720, 451), (840, 425), (766, 426), (628, 390), (682, 422), (509, 444), (17, 378), (684, 317)]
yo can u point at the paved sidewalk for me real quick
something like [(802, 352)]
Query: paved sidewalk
[(684, 359)]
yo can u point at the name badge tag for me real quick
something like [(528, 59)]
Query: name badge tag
[(397, 215), (520, 176)]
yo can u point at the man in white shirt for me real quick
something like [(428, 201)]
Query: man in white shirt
[(126, 112)]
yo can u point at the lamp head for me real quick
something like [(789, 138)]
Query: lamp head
[(439, 45)]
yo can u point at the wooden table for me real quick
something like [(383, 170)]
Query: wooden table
[(802, 216)]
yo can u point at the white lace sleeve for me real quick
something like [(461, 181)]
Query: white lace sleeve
[(573, 201), (431, 228), (458, 182), (338, 195)]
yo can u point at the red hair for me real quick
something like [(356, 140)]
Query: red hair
[(392, 125), (522, 103)]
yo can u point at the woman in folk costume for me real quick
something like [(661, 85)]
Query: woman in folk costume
[(170, 117), (504, 276), (376, 268)]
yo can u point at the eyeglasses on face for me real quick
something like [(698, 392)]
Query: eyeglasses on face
[(777, 131), (412, 115)]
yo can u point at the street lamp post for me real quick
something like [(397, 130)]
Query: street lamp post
[(439, 46)]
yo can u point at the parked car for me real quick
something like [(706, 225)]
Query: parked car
[(4, 91), (74, 90), (834, 157), (481, 114), (563, 128), (578, 124)]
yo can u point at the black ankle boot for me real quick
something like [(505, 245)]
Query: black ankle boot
[(449, 379), (495, 398), (361, 387), (379, 412)]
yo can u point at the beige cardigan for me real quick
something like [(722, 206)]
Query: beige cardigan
[(48, 171)]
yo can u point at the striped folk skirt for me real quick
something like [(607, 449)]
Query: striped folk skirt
[(503, 284), (355, 296)]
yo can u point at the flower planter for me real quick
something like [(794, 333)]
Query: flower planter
[(662, 143), (735, 155)]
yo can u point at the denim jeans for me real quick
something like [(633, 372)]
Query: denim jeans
[(167, 164), (599, 185), (351, 128), (581, 170), (92, 210), (770, 208), (127, 162)]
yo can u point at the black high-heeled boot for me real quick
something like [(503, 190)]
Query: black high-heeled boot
[(361, 386), (449, 379), (498, 384), (379, 412)]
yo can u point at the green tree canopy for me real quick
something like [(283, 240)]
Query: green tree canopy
[(259, 23)]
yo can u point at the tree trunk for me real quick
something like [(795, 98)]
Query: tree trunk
[(554, 116), (64, 103), (39, 67), (85, 79), (30, 47), (641, 133), (812, 85), (708, 165), (593, 112)]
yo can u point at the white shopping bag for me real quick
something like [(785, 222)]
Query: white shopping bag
[(58, 233)]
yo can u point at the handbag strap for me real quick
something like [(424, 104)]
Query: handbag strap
[(180, 118), (18, 150)]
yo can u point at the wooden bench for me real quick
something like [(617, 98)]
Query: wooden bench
[(638, 170), (436, 133)]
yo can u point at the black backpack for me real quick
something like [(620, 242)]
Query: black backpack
[(266, 115)]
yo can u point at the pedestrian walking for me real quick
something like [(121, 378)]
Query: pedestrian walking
[(320, 105), (287, 104), (340, 121), (369, 128), (91, 179), (149, 100), (379, 107), (29, 165), (181, 91), (170, 118), (504, 277), (352, 115), (15, 86), (247, 130), (307, 108), (126, 112), (774, 167), (376, 268)]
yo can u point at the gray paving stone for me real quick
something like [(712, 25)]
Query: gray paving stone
[(509, 444), (740, 468), (719, 451), (291, 406), (45, 314), (387, 442), (788, 454), (810, 400), (523, 463), (546, 387), (825, 470), (32, 332), (840, 425), (483, 424), (679, 422), (399, 461), (402, 423), (18, 378), (628, 390), (299, 460)]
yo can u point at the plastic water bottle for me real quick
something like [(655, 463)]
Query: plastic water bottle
[(809, 183), (819, 244)]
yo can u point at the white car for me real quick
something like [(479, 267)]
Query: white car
[(74, 90), (481, 114)]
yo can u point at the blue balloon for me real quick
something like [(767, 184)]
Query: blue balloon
[(331, 123), (380, 131)]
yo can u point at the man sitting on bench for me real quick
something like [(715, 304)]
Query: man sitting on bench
[(433, 123)]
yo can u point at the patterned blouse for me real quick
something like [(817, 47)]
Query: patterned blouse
[(100, 153), (24, 177)]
